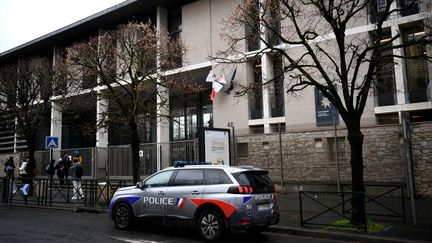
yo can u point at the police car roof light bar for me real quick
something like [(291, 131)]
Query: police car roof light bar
[(183, 163)]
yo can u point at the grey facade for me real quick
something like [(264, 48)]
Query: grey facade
[(307, 147)]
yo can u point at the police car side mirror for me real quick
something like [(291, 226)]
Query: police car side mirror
[(140, 184)]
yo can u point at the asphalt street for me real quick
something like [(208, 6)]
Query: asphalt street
[(20, 224)]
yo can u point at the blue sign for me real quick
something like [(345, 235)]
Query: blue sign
[(25, 189), (51, 142), (325, 111)]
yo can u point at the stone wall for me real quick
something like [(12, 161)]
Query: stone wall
[(422, 158), (307, 159)]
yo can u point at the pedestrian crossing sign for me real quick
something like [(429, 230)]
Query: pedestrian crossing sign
[(25, 189), (51, 142)]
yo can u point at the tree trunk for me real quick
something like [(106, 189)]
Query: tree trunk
[(31, 147), (135, 143), (355, 138)]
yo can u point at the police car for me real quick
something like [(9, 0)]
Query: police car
[(210, 198)]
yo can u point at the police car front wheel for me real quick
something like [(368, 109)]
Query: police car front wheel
[(123, 216), (210, 224)]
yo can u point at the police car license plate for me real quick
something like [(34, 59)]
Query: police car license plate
[(262, 207)]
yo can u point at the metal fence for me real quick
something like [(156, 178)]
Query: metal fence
[(44, 191), (323, 208), (116, 161)]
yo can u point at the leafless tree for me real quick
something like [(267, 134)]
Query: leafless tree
[(26, 87), (128, 64), (318, 42)]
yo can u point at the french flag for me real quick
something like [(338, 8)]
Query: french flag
[(181, 202), (217, 81)]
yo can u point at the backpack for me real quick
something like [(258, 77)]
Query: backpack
[(62, 168), (79, 171), (49, 169)]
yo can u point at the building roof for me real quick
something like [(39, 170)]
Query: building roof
[(120, 13)]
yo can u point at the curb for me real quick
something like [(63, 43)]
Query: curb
[(336, 235), (70, 209)]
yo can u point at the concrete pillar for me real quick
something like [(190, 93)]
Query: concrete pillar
[(400, 69), (101, 133), (162, 129), (56, 127), (267, 75), (15, 136)]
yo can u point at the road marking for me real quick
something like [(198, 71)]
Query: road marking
[(134, 241)]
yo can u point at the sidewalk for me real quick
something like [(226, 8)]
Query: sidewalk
[(395, 230)]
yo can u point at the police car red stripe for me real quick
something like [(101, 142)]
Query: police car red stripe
[(227, 208)]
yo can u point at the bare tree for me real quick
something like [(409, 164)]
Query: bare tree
[(312, 36), (26, 87), (128, 63)]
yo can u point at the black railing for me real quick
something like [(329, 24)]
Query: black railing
[(323, 208), (59, 192)]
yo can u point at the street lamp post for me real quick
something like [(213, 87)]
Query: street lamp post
[(231, 124)]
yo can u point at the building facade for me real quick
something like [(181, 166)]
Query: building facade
[(273, 129)]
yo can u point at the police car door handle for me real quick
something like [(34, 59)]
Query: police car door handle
[(161, 193), (195, 193)]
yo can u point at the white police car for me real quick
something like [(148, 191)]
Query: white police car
[(209, 198)]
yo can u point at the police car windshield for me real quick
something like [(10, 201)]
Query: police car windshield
[(259, 180)]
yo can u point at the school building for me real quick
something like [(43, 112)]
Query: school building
[(270, 128)]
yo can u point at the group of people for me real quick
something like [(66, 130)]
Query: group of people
[(65, 166), (27, 171)]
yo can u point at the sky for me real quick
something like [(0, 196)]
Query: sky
[(22, 21)]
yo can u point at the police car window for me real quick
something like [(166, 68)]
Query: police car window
[(158, 180), (259, 180), (214, 177), (189, 178)]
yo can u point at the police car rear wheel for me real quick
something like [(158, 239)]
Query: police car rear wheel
[(210, 225), (123, 217)]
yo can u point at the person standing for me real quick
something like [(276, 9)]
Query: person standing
[(77, 172), (8, 181), (60, 168), (22, 169), (50, 170), (28, 177), (9, 167), (67, 164)]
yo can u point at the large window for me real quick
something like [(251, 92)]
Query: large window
[(255, 94), (189, 114), (277, 89), (175, 29), (416, 64), (376, 10), (409, 7), (385, 83), (252, 27), (274, 23)]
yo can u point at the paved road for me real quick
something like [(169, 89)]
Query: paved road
[(20, 224)]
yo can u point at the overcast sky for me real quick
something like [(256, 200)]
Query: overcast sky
[(24, 20)]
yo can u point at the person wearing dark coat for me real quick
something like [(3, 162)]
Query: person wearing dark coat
[(50, 170), (9, 167)]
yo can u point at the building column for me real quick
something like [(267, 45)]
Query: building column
[(15, 136), (162, 99), (56, 127), (101, 133), (267, 75)]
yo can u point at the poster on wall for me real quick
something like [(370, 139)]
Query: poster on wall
[(216, 146), (326, 113)]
